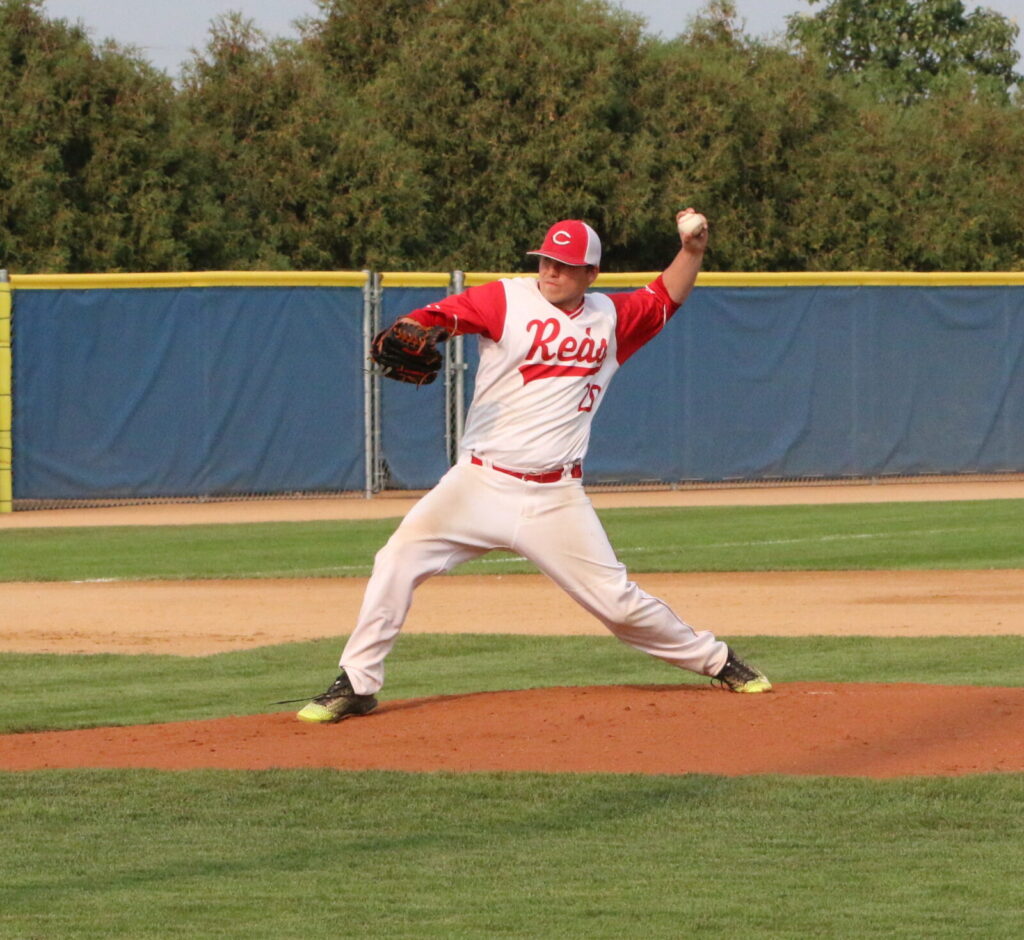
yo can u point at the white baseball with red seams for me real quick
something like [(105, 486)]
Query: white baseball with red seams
[(543, 374), (692, 224)]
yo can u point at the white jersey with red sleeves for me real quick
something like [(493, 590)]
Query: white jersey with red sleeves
[(544, 372)]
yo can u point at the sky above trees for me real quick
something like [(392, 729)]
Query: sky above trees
[(167, 31)]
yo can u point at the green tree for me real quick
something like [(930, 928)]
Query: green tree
[(430, 134), (87, 169), (356, 39), (732, 121), (925, 187), (800, 170), (291, 170), (516, 113), (910, 48)]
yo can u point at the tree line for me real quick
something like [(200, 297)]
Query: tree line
[(434, 134)]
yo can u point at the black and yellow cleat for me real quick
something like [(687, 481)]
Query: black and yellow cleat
[(738, 676), (338, 702)]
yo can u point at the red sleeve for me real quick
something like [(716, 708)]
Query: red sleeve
[(476, 310), (641, 316)]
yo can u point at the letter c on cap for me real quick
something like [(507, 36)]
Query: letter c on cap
[(561, 237)]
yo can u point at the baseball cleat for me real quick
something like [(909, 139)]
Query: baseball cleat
[(738, 676), (339, 701)]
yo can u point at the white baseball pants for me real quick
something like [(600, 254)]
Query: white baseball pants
[(474, 509)]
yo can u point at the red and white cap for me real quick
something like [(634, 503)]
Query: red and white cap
[(571, 242)]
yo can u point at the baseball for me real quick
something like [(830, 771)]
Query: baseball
[(692, 224)]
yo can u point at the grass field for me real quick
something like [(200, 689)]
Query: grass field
[(309, 854), (759, 538), (109, 689), (304, 854)]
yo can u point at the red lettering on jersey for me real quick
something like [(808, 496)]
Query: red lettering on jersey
[(544, 332), (571, 352), (566, 348), (541, 370)]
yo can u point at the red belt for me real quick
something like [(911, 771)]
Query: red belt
[(550, 476)]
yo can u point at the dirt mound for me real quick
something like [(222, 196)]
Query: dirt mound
[(864, 730)]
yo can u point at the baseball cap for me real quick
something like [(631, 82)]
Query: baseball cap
[(571, 242)]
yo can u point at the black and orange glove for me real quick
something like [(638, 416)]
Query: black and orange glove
[(407, 352)]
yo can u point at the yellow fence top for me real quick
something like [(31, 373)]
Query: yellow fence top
[(800, 279), (181, 279), (474, 278), (863, 279), (414, 279), (626, 279)]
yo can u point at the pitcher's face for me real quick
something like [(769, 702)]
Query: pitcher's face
[(564, 284)]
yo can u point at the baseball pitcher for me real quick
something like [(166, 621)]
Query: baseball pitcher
[(548, 352)]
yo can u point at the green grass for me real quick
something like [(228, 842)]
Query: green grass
[(107, 689), (983, 534), (309, 854), (255, 550)]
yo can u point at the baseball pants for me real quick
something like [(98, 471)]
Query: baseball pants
[(474, 509)]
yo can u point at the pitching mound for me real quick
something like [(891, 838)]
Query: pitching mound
[(801, 728)]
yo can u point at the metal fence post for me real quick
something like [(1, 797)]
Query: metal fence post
[(369, 439), (372, 298), (455, 381)]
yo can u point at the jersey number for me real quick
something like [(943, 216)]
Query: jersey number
[(589, 397)]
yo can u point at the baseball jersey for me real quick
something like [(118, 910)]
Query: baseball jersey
[(543, 372)]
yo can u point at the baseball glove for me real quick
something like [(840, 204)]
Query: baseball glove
[(407, 352)]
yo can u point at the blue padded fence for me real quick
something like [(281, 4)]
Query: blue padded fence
[(795, 382), (206, 391), (193, 391), (412, 437)]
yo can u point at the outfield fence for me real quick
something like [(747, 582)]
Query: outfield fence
[(227, 385)]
